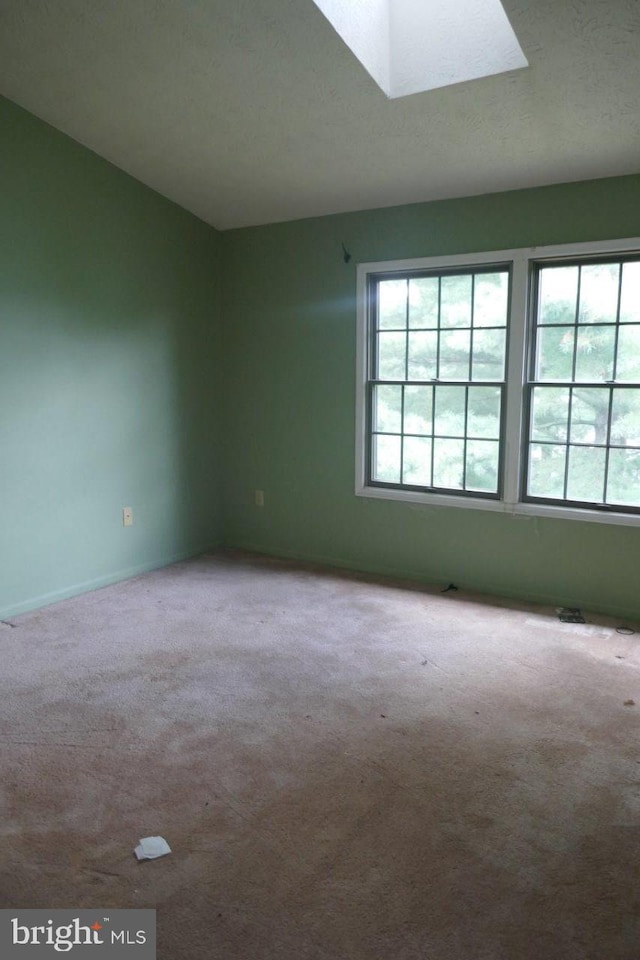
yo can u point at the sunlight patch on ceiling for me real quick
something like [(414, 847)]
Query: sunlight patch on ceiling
[(410, 46)]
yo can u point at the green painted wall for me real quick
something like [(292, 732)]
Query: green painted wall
[(289, 348), (109, 371), (113, 392)]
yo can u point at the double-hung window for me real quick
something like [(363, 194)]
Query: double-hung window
[(503, 381), (583, 394), (437, 385)]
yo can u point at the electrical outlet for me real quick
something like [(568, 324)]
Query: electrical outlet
[(258, 498), (127, 516)]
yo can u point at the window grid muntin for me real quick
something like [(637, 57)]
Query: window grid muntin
[(607, 456), (574, 359), (438, 329), (569, 422), (537, 267), (617, 330), (402, 390), (406, 337)]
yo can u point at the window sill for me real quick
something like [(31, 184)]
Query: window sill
[(514, 510)]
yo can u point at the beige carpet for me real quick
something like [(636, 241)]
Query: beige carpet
[(345, 769)]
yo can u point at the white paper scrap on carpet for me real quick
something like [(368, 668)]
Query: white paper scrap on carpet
[(150, 848)]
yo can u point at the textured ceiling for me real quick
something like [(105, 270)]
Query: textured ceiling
[(254, 111)]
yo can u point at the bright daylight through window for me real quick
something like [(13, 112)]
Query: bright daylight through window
[(506, 381), (409, 46), (584, 435), (438, 363)]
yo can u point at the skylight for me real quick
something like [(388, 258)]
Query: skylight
[(410, 46)]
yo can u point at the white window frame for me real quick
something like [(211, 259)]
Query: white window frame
[(521, 261)]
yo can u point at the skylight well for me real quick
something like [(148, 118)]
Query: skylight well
[(410, 46)]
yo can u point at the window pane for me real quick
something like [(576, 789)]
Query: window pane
[(546, 471), (592, 420), (386, 458), (423, 356), (623, 481), (449, 419), (430, 425), (483, 415), (594, 354), (391, 356), (482, 465), (625, 418), (488, 354), (590, 415), (628, 367), (558, 294), (550, 413), (387, 409), (454, 354), (555, 353), (418, 406), (586, 474), (630, 297), (448, 463), (599, 293), (416, 465), (455, 306), (423, 302), (392, 304), (490, 299)]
